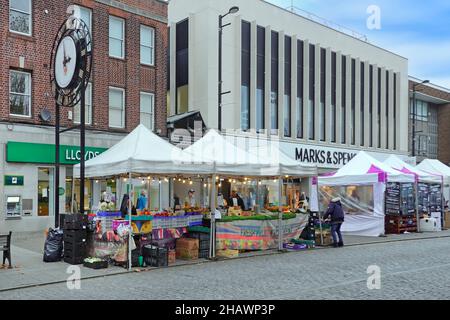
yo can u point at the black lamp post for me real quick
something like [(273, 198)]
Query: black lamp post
[(415, 115), (232, 10)]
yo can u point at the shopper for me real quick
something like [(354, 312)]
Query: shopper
[(336, 215), (142, 201)]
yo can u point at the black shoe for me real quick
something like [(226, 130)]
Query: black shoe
[(335, 245), (340, 244)]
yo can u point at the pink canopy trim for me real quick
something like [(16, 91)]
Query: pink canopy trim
[(315, 181), (382, 175), (407, 171), (329, 174)]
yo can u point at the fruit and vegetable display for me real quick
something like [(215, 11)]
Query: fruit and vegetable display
[(277, 209), (106, 207)]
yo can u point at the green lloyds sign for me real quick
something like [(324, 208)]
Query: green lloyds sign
[(14, 180), (20, 152)]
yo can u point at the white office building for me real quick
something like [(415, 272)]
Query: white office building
[(327, 94)]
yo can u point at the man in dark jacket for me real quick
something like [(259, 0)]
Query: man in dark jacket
[(336, 215), (236, 201)]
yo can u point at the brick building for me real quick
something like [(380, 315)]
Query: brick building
[(127, 87), (432, 121)]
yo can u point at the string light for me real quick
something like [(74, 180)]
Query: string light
[(184, 181), (166, 180), (190, 182)]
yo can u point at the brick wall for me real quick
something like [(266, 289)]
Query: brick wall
[(128, 73), (444, 133)]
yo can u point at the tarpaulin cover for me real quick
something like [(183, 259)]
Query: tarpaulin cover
[(255, 235)]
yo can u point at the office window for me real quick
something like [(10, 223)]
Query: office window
[(260, 78), (362, 104), (20, 16), (88, 107), (300, 75), (333, 97), (147, 107), (147, 45), (323, 63), (287, 85), (116, 108), (245, 76), (116, 37), (20, 93), (353, 103), (274, 84), (85, 14), (395, 111), (379, 108), (386, 115), (312, 87), (371, 106), (344, 100), (182, 67)]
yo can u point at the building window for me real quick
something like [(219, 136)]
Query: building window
[(333, 97), (260, 78), (182, 67), (386, 115), (20, 93), (344, 100), (245, 76), (371, 106), (379, 108), (116, 108), (85, 14), (274, 85), (20, 17), (395, 111), (116, 37), (312, 89), (287, 85), (323, 66), (362, 104), (147, 45), (147, 104), (88, 107), (300, 74), (353, 104)]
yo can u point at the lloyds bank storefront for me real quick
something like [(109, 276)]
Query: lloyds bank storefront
[(27, 173)]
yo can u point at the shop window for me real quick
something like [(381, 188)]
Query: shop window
[(116, 37), (20, 93), (88, 107), (45, 192), (20, 16), (147, 45), (147, 103), (116, 108)]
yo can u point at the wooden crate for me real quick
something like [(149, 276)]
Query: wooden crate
[(400, 224)]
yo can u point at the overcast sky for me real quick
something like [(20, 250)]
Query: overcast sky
[(417, 30)]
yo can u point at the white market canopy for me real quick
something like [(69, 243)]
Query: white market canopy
[(435, 167), (140, 152), (364, 169), (226, 157), (399, 165)]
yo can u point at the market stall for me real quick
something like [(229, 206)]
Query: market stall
[(361, 185), (257, 175), (439, 192)]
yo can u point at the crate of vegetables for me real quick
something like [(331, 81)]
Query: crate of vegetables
[(95, 263)]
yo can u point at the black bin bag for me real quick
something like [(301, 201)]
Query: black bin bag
[(53, 249)]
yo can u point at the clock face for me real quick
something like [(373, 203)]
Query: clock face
[(65, 62)]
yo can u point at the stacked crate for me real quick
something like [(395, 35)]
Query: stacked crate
[(204, 243), (155, 256), (75, 238)]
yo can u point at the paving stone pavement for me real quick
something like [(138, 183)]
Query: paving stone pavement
[(409, 270)]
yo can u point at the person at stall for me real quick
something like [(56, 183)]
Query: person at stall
[(190, 201), (335, 214), (355, 197), (236, 200), (142, 201)]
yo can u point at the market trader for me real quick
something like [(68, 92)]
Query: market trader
[(189, 201), (142, 201), (336, 214), (236, 201)]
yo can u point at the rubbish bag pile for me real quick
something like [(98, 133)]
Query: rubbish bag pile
[(53, 249)]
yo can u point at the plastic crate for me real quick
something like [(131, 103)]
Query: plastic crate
[(96, 265), (203, 254), (170, 222), (74, 236)]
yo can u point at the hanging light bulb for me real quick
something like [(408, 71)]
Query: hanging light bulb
[(159, 181), (217, 178), (260, 183), (166, 180), (190, 182), (184, 181), (205, 185), (125, 179), (143, 181), (179, 179)]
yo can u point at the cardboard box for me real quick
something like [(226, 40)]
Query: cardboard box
[(227, 253), (186, 254), (172, 256), (447, 220), (327, 239), (188, 243)]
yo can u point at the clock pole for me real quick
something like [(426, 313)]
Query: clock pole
[(57, 165), (82, 145)]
